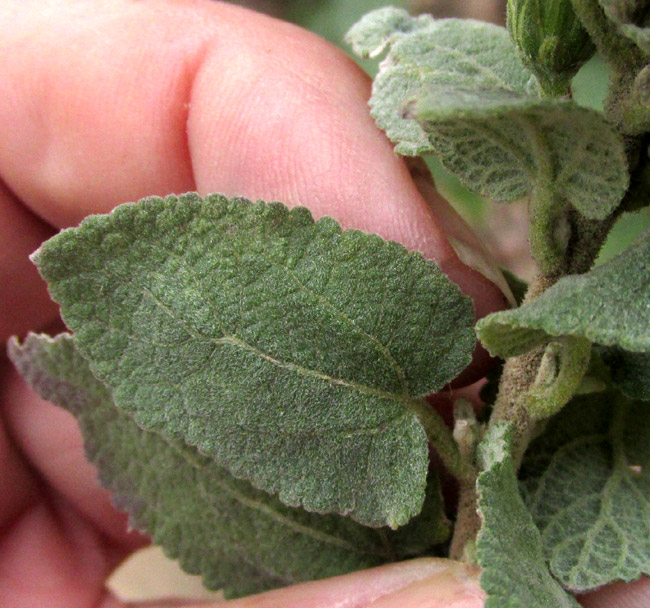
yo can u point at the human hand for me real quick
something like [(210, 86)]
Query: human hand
[(108, 101)]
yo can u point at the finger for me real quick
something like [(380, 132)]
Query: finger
[(18, 486), (619, 595), (422, 583), (59, 459), (111, 101), (24, 302), (51, 558)]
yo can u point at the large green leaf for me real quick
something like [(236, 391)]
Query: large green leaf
[(288, 351), (630, 371), (608, 305), (234, 535), (515, 574), (456, 88), (587, 483)]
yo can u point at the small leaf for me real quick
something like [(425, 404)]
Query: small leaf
[(220, 527), (286, 350), (587, 484), (375, 30), (457, 88), (509, 546), (607, 305), (447, 52), (561, 371)]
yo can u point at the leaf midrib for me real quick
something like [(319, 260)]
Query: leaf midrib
[(260, 506), (382, 348), (403, 399)]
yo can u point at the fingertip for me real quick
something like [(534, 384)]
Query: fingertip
[(619, 595)]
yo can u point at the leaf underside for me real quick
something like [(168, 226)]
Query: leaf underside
[(587, 484), (607, 305), (286, 350), (235, 536), (509, 546), (457, 89)]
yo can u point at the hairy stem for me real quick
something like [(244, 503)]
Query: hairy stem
[(441, 438), (521, 373), (619, 52), (467, 524)]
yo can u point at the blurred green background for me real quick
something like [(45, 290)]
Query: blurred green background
[(150, 575)]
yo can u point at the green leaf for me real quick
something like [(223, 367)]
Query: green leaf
[(457, 88), (587, 484), (607, 305), (630, 371), (425, 51), (377, 29), (286, 350), (220, 527), (509, 546), (505, 147), (560, 374)]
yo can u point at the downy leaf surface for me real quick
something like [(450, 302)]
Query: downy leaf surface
[(587, 484), (607, 305), (457, 89), (515, 574), (223, 528), (286, 350)]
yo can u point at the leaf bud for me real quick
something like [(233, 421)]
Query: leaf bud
[(551, 40)]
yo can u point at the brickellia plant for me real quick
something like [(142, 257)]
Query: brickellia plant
[(251, 383)]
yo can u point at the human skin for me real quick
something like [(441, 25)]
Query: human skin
[(106, 101)]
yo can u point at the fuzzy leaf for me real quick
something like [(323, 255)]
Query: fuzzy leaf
[(288, 351), (502, 147), (587, 484), (457, 88), (424, 51), (608, 305), (509, 546), (376, 29), (218, 526)]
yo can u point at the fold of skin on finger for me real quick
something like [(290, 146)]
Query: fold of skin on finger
[(24, 302), (113, 100), (18, 486)]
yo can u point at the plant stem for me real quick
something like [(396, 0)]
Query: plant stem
[(619, 52), (520, 374), (548, 231), (467, 524), (442, 440)]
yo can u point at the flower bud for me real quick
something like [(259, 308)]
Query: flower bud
[(551, 40)]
